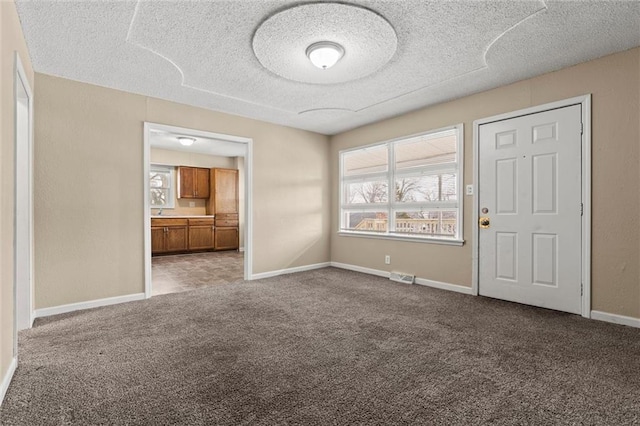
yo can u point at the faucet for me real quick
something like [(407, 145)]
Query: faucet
[(160, 212)]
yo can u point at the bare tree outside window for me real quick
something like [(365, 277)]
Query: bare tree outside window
[(416, 193)]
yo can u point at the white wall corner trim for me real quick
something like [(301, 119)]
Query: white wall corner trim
[(62, 309), (6, 380), (290, 270), (615, 318), (419, 281)]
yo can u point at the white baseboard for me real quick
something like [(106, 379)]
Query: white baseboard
[(63, 309), (6, 380), (241, 249), (362, 269), (445, 286), (616, 319), (289, 270), (419, 281)]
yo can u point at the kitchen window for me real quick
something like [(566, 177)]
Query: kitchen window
[(161, 180), (407, 188)]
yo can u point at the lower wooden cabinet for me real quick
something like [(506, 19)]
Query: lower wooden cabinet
[(180, 235), (201, 234), (169, 235), (226, 238)]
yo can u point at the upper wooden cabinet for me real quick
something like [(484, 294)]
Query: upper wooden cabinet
[(224, 192), (193, 182)]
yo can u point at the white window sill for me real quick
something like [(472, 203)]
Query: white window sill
[(400, 237)]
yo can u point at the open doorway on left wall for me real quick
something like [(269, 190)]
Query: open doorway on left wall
[(23, 239), (196, 209)]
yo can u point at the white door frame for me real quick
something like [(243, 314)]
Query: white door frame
[(23, 314), (248, 190), (585, 101)]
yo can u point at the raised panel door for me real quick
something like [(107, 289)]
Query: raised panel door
[(202, 185), (186, 182), (157, 239), (226, 238), (201, 237), (176, 238), (225, 191), (530, 194)]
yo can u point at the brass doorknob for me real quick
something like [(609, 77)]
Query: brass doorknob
[(484, 222)]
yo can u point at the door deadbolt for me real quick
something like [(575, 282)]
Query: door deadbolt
[(484, 222)]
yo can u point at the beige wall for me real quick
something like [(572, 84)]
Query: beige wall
[(11, 40), (182, 158), (614, 82), (88, 189)]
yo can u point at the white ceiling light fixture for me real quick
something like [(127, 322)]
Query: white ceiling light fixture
[(186, 141), (357, 41), (325, 54)]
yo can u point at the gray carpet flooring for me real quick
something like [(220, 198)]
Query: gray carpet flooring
[(324, 347)]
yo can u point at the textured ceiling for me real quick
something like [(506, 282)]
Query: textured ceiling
[(412, 53)]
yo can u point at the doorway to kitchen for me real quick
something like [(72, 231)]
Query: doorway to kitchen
[(197, 204)]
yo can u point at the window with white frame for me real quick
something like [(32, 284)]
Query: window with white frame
[(161, 187), (408, 187)]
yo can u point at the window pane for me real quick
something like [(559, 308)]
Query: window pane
[(420, 187), (426, 150), (159, 197), (159, 179), (440, 187), (366, 192), (366, 221), (430, 222), (367, 160)]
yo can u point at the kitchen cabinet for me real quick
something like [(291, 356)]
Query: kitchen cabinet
[(201, 234), (224, 192), (193, 182), (226, 238), (223, 203), (169, 235)]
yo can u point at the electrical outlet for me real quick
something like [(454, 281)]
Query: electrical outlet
[(192, 203), (387, 260), (469, 190)]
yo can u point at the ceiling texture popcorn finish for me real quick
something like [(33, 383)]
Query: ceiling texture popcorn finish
[(249, 57)]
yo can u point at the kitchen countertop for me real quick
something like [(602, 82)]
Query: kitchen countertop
[(169, 216)]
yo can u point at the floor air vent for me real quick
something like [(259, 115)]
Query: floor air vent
[(401, 277)]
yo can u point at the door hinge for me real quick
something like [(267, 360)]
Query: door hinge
[(581, 289), (581, 128), (581, 209)]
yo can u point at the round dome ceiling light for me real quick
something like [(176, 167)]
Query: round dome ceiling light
[(325, 54), (358, 41), (185, 141)]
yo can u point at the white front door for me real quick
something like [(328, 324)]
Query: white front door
[(530, 201)]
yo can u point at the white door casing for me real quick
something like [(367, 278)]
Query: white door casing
[(23, 240), (530, 182), (248, 192)]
